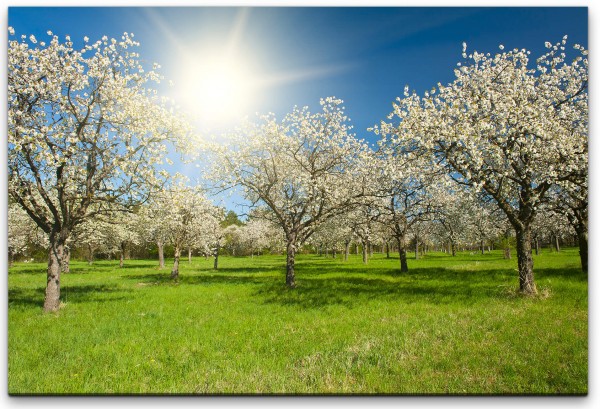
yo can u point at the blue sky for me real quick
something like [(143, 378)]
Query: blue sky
[(363, 55)]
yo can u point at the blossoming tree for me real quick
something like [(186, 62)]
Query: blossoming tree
[(403, 188), (85, 132), (182, 213), (506, 127), (302, 168)]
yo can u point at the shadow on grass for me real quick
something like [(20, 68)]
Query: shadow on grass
[(82, 267), (70, 294), (27, 270), (235, 276), (564, 273), (420, 285), (316, 290), (26, 297), (322, 283)]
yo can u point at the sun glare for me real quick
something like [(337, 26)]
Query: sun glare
[(216, 89)]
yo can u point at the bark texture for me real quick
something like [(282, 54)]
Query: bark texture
[(346, 250), (525, 261), (290, 274), (161, 254), (175, 271), (216, 261), (402, 254), (55, 259)]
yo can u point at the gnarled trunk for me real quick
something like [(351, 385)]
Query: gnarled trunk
[(90, 254), (66, 262), (161, 254), (402, 254), (525, 261), (216, 262), (122, 255), (290, 274), (175, 271), (55, 259)]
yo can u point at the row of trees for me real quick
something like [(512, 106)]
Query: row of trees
[(510, 135), (501, 144), (191, 226)]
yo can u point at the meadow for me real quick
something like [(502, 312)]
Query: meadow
[(452, 325)]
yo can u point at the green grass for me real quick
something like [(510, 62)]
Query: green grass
[(449, 326)]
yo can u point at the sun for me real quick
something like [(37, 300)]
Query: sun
[(216, 89)]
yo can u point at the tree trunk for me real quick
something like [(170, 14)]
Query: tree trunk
[(582, 238), (290, 274), (387, 249), (90, 254), (416, 249), (525, 261), (536, 242), (66, 263), (370, 245), (161, 254), (55, 258), (122, 255), (216, 262), (347, 250), (402, 254), (403, 262), (357, 249), (507, 255), (482, 248), (190, 255), (453, 248), (556, 243), (175, 271), (334, 252), (365, 253)]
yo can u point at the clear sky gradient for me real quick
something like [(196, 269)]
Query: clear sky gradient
[(363, 55)]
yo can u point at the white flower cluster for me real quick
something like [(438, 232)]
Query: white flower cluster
[(83, 127)]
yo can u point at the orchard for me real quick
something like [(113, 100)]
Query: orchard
[(504, 144)]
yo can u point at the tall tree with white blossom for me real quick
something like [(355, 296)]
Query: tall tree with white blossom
[(85, 133), (509, 128)]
